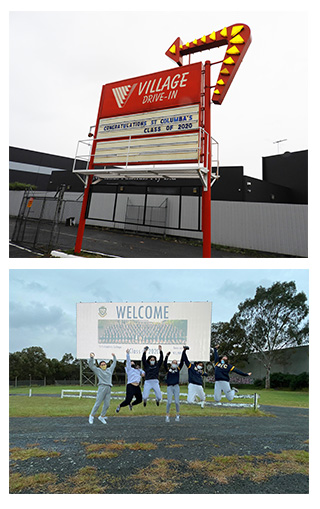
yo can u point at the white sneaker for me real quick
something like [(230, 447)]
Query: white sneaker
[(102, 419), (202, 404), (167, 418), (177, 418), (91, 419)]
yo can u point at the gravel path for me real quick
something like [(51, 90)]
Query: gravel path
[(193, 438)]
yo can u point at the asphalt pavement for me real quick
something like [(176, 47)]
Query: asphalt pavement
[(114, 243), (172, 450)]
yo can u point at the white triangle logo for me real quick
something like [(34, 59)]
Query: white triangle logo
[(122, 94)]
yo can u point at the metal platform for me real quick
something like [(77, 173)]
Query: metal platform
[(124, 158)]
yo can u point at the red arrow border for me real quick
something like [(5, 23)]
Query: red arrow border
[(236, 37)]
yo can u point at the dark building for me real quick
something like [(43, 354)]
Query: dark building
[(35, 168), (285, 179), (289, 170)]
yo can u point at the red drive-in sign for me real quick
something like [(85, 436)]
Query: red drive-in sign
[(165, 89), (139, 117)]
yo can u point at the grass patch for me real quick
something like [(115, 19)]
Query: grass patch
[(164, 476), (34, 483), (258, 469), (22, 406), (72, 407), (273, 397), (102, 454), (85, 481), (158, 477), (19, 454), (107, 450)]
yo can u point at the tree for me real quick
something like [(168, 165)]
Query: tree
[(274, 319), (70, 366), (230, 340), (16, 367), (35, 362), (55, 371), (31, 361)]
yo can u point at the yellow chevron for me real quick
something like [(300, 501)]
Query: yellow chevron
[(233, 51), (229, 61), (236, 30), (237, 40)]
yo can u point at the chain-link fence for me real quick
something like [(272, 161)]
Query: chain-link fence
[(41, 218)]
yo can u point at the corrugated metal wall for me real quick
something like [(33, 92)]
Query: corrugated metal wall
[(270, 227)]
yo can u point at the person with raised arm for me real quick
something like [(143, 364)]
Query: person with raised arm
[(134, 374), (151, 368), (173, 387), (222, 369), (195, 378), (104, 375)]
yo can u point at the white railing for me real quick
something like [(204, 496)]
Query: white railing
[(81, 393), (77, 393), (132, 156)]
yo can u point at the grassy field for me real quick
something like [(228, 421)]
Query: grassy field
[(24, 406)]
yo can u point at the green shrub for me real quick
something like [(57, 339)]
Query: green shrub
[(259, 383), (20, 186), (285, 381), (299, 381)]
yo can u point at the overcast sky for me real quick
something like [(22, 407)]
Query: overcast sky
[(43, 302), (60, 60)]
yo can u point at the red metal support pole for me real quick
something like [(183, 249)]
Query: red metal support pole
[(206, 195), (82, 220)]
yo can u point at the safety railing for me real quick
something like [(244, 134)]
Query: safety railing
[(150, 157), (65, 393)]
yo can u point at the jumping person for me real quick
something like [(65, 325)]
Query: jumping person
[(134, 374), (195, 378), (173, 388), (222, 368), (104, 375), (151, 368)]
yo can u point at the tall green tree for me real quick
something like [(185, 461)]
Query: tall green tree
[(33, 362), (16, 366), (30, 362), (276, 318), (230, 340)]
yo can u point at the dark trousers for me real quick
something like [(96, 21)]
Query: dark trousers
[(132, 390)]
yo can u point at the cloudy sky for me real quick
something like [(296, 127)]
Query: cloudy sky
[(43, 302), (60, 60)]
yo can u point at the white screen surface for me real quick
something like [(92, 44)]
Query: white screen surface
[(112, 328)]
